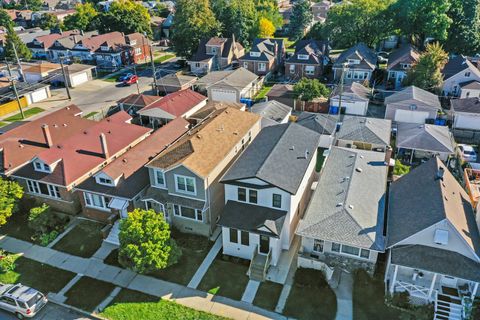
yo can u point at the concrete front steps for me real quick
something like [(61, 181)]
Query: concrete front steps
[(448, 308)]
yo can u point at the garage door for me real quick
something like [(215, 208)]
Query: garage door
[(410, 116), (78, 79), (223, 95), (467, 122), (39, 95)]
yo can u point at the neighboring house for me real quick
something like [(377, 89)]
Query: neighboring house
[(418, 142), (76, 73), (308, 60), (41, 44), (399, 62), (364, 133), (466, 113), (230, 85), (355, 99), (320, 10), (266, 192), (184, 178), (60, 14), (63, 47), (175, 82), (38, 72), (51, 174), (265, 56), (215, 54), (212, 107), (358, 64), (118, 187), (324, 124), (272, 112), (106, 50), (135, 102), (282, 93), (344, 225), (21, 18), (469, 89), (457, 71), (413, 105), (174, 105), (433, 240)]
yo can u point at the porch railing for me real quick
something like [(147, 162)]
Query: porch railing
[(255, 252), (414, 290), (267, 263)]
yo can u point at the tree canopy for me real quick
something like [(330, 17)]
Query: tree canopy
[(464, 32), (5, 19), (301, 17), (125, 16), (268, 9), (239, 18), (49, 21), (266, 29), (426, 73), (10, 193), (145, 242), (193, 21), (82, 18), (309, 89), (13, 40)]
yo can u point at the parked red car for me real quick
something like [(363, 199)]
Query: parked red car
[(131, 80)]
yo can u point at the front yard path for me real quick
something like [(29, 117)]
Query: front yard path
[(202, 270), (344, 297), (96, 269)]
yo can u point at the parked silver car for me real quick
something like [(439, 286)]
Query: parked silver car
[(24, 301)]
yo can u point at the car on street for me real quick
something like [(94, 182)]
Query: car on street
[(133, 79), (23, 301), (125, 76), (467, 152)]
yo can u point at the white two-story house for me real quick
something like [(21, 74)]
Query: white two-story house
[(456, 72), (266, 192), (399, 62)]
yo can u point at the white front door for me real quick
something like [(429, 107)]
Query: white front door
[(449, 281)]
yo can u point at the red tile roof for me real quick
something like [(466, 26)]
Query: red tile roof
[(110, 39), (178, 103)]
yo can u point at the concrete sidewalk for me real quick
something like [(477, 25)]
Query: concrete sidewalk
[(202, 270), (344, 297), (127, 279)]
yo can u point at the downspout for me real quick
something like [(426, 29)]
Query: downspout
[(209, 207)]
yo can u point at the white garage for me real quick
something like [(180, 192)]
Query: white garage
[(78, 79), (411, 116), (466, 113), (38, 94), (79, 74), (216, 94)]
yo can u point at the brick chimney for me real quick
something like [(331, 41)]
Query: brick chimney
[(47, 135), (103, 143), (388, 155)]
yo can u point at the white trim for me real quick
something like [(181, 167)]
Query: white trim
[(87, 196), (33, 187), (156, 173), (184, 217), (177, 176)]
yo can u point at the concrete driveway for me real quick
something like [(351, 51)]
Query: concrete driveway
[(49, 312)]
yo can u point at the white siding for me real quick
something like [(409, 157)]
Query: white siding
[(469, 93), (223, 95), (467, 121), (356, 107), (452, 84)]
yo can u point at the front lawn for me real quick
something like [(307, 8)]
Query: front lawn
[(267, 295), (134, 305), (88, 293), (27, 113), (17, 226), (37, 275), (83, 240), (227, 277), (311, 297), (163, 58)]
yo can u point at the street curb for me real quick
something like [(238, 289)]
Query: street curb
[(94, 316)]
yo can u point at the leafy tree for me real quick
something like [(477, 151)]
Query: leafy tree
[(5, 19), (367, 21), (13, 40), (10, 193), (400, 169), (426, 73), (145, 242), (309, 89), (269, 9), (34, 5), (464, 32), (317, 32), (420, 19), (239, 18), (49, 21), (300, 19), (266, 29), (193, 21), (82, 18), (125, 16)]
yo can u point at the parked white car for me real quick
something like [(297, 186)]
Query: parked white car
[(23, 301), (468, 153)]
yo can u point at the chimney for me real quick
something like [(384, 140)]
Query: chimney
[(439, 174), (47, 135), (388, 155), (103, 143)]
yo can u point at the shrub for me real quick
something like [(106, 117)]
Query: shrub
[(175, 253), (400, 169), (43, 220), (46, 238), (7, 261), (401, 299)]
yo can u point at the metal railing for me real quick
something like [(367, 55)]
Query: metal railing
[(267, 263), (255, 253)]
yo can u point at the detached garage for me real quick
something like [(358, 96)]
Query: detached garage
[(466, 113), (37, 72), (355, 99), (37, 93), (77, 74)]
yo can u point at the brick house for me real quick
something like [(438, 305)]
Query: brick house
[(308, 60), (265, 56)]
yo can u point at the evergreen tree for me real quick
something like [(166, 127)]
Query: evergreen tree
[(13, 40), (464, 32), (300, 19)]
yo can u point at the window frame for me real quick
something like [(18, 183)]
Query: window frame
[(262, 66), (243, 193), (318, 243), (178, 212), (185, 178), (273, 200), (89, 201), (245, 234), (234, 232), (156, 174), (34, 187), (252, 193)]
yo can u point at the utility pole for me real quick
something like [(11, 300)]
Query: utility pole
[(153, 70), (14, 87), (135, 72), (65, 79), (18, 61), (341, 89)]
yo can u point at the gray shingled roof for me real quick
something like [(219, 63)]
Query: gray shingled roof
[(252, 218), (414, 93), (458, 64), (354, 91), (239, 78), (469, 105), (272, 110), (348, 205), (426, 137), (315, 50), (318, 122), (266, 48), (368, 130), (162, 196), (406, 54), (436, 260), (419, 200), (359, 51), (277, 156)]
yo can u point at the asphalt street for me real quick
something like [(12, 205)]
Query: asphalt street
[(51, 311)]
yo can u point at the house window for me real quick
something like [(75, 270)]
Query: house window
[(413, 107), (365, 254), (406, 65), (187, 212), (292, 68), (245, 65), (242, 194), (349, 75), (133, 42), (441, 237), (245, 238), (277, 200), (185, 184), (336, 247), (467, 74), (53, 191), (318, 245), (159, 178), (252, 196), (262, 66), (40, 166), (392, 75), (33, 186), (96, 200), (309, 70), (105, 181), (353, 61), (138, 51), (197, 65), (233, 235), (254, 54), (44, 189), (350, 250), (302, 57)]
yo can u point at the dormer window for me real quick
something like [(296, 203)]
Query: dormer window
[(302, 57), (406, 65), (133, 42), (467, 74), (104, 48), (106, 181), (254, 54), (40, 166), (441, 237), (353, 61)]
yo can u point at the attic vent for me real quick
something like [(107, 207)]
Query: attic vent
[(351, 156), (199, 136), (85, 132), (20, 146), (339, 204), (358, 169), (109, 131), (361, 157), (125, 160), (292, 148), (55, 125), (64, 124), (235, 133), (351, 206), (441, 237)]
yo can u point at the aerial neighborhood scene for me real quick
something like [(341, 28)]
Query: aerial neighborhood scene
[(240, 159)]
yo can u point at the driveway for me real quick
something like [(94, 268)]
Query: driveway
[(50, 311)]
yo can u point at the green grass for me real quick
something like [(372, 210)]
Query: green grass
[(17, 227), (83, 240), (91, 114), (311, 297), (87, 293), (37, 275), (263, 92), (134, 305), (3, 124), (226, 278), (163, 58), (28, 113), (267, 295)]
